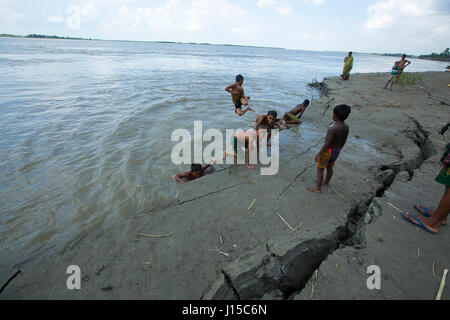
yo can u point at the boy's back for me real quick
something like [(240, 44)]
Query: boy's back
[(339, 133)]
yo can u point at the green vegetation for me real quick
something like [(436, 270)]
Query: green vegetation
[(408, 78), (443, 56), (39, 36)]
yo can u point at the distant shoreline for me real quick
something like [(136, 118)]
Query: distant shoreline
[(39, 36), (421, 57)]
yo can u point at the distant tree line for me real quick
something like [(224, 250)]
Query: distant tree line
[(39, 36), (443, 56)]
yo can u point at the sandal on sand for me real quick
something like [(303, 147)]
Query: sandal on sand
[(415, 221), (424, 211)]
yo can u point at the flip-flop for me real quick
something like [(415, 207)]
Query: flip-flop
[(414, 222), (419, 223), (424, 211), (424, 227)]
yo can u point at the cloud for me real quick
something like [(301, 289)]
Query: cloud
[(408, 24), (56, 19), (7, 15), (179, 15), (314, 2), (409, 14), (279, 6), (80, 14)]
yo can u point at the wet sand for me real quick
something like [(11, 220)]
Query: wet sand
[(213, 247)]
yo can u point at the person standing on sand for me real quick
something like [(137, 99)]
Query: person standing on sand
[(433, 220), (348, 66), (334, 142), (403, 64), (238, 96), (394, 75)]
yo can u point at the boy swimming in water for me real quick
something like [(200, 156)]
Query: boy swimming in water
[(196, 172), (336, 138), (237, 94), (293, 116)]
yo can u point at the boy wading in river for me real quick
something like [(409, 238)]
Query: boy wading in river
[(237, 94), (334, 142)]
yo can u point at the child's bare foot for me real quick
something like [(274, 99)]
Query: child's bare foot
[(250, 109), (251, 167), (314, 189)]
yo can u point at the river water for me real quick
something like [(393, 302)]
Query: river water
[(85, 126)]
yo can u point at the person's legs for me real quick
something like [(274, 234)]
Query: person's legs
[(397, 78), (434, 222), (329, 175), (318, 187), (240, 112), (392, 82)]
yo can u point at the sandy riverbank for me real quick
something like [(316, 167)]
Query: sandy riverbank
[(217, 249)]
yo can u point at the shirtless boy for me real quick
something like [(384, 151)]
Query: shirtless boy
[(268, 122), (237, 94), (293, 116), (336, 138), (247, 138), (196, 172), (394, 75), (402, 65)]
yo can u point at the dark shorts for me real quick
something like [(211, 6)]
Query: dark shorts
[(444, 176), (238, 104), (235, 145)]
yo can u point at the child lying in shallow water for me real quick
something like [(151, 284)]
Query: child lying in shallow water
[(196, 172)]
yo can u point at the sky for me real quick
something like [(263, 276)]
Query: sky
[(372, 26)]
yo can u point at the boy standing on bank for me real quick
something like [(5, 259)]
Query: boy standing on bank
[(336, 138), (237, 94)]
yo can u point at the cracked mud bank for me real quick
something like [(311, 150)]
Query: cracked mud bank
[(291, 239)]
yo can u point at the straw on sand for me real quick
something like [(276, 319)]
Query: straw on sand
[(155, 235), (285, 221), (441, 288)]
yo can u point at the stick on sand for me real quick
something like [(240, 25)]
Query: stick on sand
[(223, 253), (441, 288), (285, 221), (251, 205), (399, 210), (155, 235), (293, 230)]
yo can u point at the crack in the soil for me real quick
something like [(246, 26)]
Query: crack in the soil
[(291, 272)]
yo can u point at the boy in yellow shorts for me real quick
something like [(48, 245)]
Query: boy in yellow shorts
[(334, 142)]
